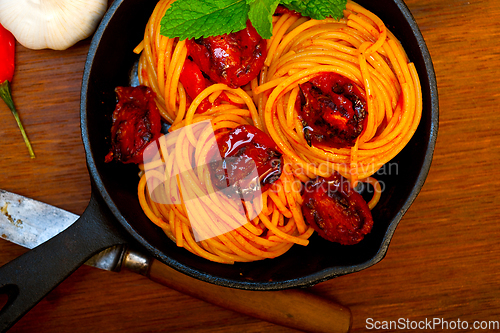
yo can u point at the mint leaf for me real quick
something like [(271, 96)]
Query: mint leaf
[(317, 9), (261, 15), (203, 18)]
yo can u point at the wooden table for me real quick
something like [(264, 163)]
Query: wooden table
[(442, 263)]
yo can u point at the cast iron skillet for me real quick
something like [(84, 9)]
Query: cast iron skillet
[(115, 217)]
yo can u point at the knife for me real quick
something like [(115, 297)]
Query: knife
[(28, 223)]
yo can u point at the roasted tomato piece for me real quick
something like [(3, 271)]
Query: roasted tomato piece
[(337, 212), (234, 59), (242, 150), (194, 83), (332, 110), (136, 123)]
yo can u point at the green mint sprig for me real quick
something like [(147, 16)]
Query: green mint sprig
[(203, 18), (318, 9)]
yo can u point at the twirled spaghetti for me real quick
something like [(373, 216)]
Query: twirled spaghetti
[(160, 67), (360, 48), (216, 226), (177, 194)]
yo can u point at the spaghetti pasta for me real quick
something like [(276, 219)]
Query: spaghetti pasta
[(360, 48), (177, 190), (179, 196)]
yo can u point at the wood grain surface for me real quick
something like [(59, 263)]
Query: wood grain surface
[(443, 262)]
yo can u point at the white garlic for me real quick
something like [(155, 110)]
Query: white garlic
[(53, 24)]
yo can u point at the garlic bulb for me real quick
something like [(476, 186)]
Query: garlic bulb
[(53, 24)]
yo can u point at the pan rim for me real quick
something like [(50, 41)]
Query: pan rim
[(305, 281)]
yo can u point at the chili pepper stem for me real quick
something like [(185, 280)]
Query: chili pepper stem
[(6, 95)]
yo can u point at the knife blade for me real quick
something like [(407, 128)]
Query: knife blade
[(20, 218), (28, 223)]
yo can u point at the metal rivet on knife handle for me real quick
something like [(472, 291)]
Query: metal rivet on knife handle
[(136, 262)]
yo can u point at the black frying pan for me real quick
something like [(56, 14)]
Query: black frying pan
[(114, 216)]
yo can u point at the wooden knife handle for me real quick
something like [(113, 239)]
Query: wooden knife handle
[(292, 308)]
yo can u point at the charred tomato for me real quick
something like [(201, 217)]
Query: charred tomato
[(136, 122), (243, 150), (194, 82), (336, 211), (234, 59), (332, 110)]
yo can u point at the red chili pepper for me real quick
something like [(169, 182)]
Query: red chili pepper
[(7, 53)]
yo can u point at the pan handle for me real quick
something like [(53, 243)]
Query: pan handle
[(29, 278)]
